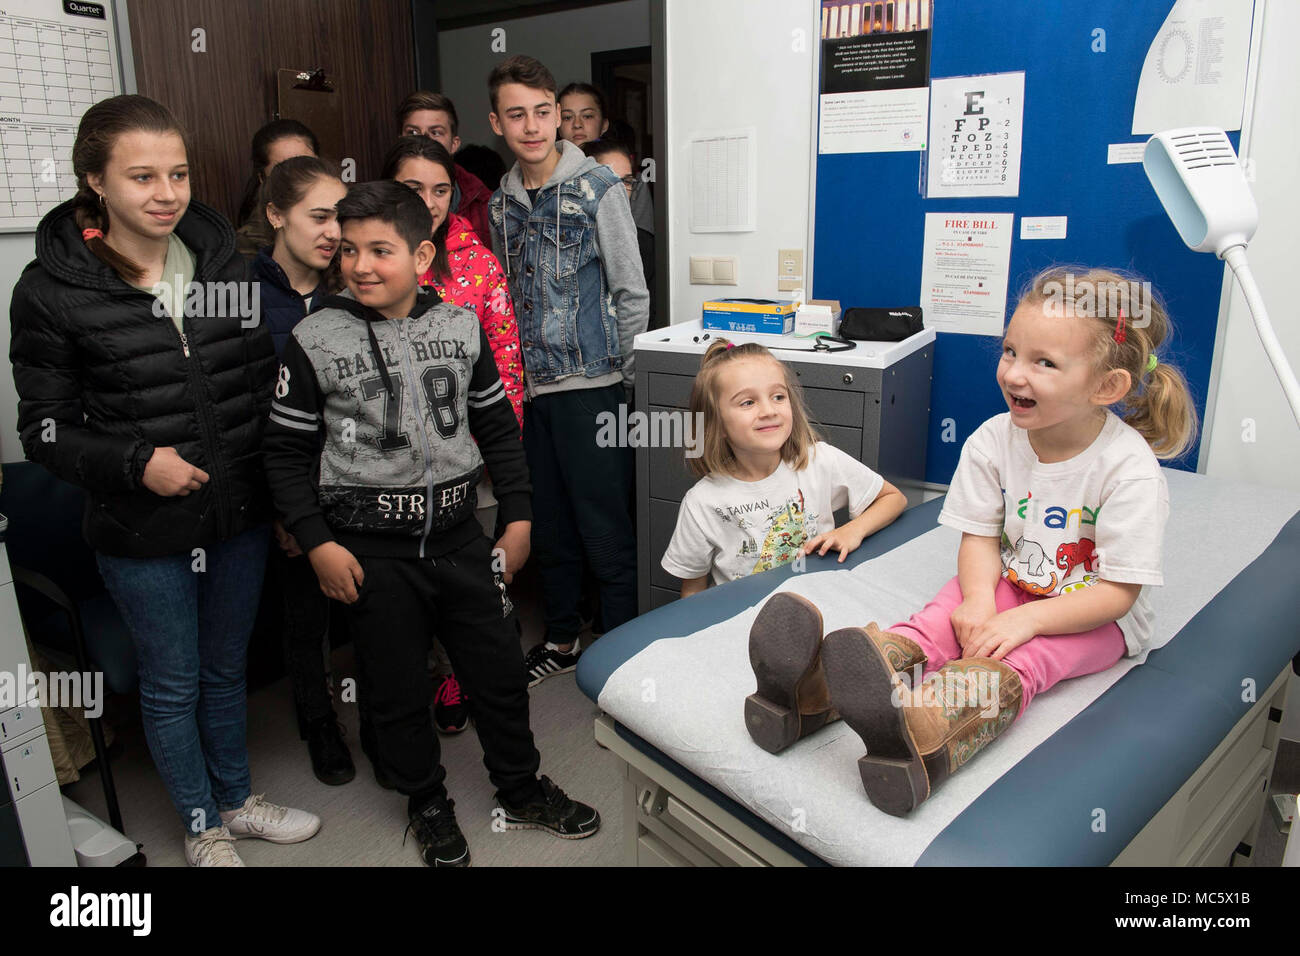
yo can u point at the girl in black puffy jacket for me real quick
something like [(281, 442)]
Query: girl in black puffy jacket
[(143, 377)]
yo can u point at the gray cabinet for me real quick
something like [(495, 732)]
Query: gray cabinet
[(32, 801), (872, 402)]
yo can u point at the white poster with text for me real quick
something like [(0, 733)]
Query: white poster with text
[(964, 271)]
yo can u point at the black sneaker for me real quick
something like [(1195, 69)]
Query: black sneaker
[(554, 811), (330, 760), (439, 836), (543, 662), (450, 707), (370, 747)]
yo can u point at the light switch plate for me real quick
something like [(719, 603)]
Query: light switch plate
[(724, 270), (789, 270), (701, 270)]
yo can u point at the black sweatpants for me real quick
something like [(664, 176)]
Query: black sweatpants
[(582, 507), (306, 633), (460, 600)]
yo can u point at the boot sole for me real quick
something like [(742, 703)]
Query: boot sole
[(861, 683), (783, 644)]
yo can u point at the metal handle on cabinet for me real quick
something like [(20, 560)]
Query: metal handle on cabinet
[(848, 378), (652, 801)]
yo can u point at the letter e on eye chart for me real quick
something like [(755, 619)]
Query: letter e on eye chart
[(975, 127)]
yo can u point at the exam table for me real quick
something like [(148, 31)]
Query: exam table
[(1163, 760)]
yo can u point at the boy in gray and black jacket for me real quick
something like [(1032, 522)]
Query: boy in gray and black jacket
[(403, 391)]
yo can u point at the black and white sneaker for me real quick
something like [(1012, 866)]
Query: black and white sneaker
[(544, 661), (439, 836), (554, 811)]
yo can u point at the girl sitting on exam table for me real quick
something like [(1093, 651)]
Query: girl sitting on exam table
[(768, 486), (1062, 508)]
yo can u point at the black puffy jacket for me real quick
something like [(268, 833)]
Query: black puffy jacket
[(102, 381)]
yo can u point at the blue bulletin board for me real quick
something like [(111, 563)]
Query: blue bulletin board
[(870, 212)]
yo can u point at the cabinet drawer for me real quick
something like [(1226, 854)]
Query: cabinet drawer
[(670, 476), (18, 721), (29, 766), (663, 521), (849, 441), (817, 375), (1219, 781), (671, 390), (661, 596), (831, 406), (653, 852)]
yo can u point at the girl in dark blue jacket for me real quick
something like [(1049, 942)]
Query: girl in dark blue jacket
[(294, 273), (144, 377)]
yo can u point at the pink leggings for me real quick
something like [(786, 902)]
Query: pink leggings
[(1040, 662)]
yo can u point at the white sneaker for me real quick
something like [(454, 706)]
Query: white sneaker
[(213, 847), (260, 820)]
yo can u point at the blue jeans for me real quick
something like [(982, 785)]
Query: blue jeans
[(191, 631)]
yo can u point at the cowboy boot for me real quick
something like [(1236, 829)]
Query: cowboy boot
[(915, 737), (902, 653), (785, 652)]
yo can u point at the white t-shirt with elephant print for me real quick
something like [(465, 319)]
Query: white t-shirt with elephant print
[(1097, 516)]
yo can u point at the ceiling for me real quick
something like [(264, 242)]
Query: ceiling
[(453, 14)]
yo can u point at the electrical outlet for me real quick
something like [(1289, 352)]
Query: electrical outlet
[(789, 270)]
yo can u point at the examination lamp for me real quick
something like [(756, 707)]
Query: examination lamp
[(1199, 181)]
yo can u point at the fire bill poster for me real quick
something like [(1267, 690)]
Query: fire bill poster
[(975, 132), (875, 73), (964, 272)]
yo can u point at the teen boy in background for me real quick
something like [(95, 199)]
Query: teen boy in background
[(434, 115), (562, 227)]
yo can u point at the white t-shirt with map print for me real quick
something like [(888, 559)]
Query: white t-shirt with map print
[(735, 528), (1066, 525)]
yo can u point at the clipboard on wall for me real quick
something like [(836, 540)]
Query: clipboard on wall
[(313, 99)]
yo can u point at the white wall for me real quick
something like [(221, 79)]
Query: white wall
[(732, 64), (563, 41)]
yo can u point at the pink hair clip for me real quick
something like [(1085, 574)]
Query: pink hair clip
[(730, 346), (88, 234), (1120, 334)]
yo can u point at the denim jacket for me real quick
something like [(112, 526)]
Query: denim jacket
[(574, 270)]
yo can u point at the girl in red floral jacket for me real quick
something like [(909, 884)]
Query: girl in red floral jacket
[(464, 270)]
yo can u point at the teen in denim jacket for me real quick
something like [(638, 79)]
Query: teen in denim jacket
[(563, 230)]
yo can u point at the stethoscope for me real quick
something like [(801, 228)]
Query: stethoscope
[(819, 346)]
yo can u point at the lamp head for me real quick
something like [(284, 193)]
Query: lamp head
[(1201, 184)]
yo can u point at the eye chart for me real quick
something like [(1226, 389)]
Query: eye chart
[(56, 60), (975, 127)]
